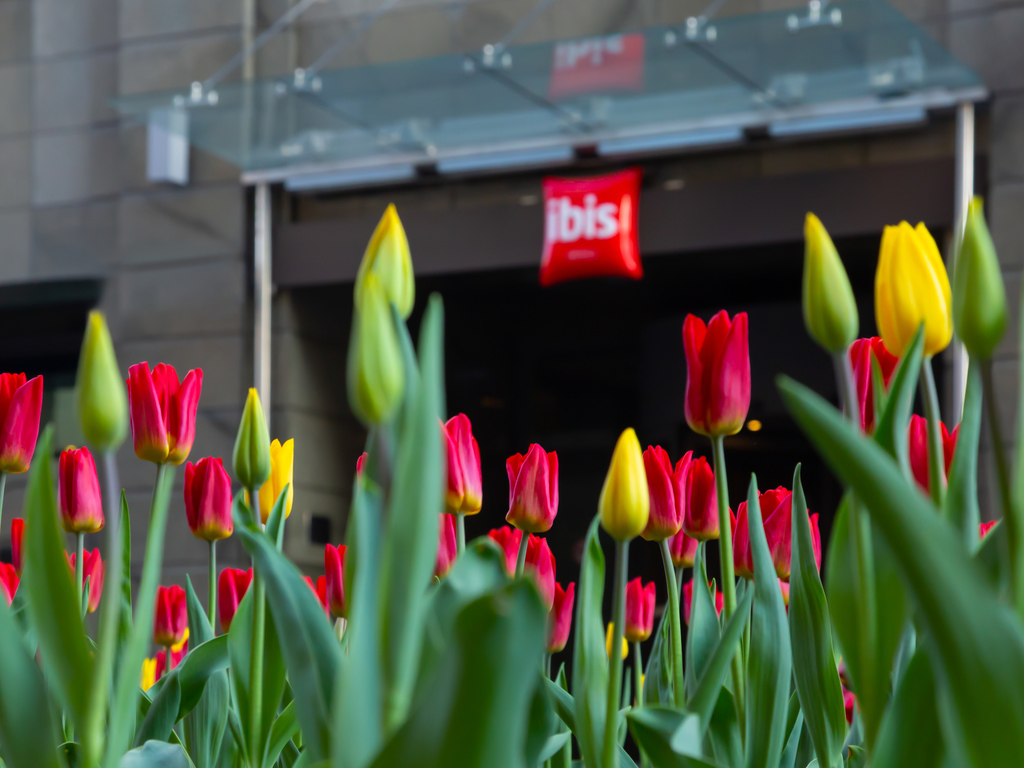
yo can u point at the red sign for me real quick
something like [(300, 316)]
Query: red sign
[(590, 228), (597, 64)]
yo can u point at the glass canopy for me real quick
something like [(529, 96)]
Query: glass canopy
[(851, 65)]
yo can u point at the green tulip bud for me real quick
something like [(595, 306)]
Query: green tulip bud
[(376, 376), (979, 297), (252, 446), (830, 311), (101, 393)]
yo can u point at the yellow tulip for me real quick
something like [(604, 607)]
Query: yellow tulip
[(387, 256), (830, 311), (911, 287), (608, 643), (148, 677), (625, 502), (282, 473)]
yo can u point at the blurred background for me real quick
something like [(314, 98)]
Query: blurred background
[(208, 172)]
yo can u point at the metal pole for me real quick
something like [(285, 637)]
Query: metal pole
[(261, 297), (964, 190)]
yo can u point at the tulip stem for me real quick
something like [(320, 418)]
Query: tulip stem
[(1002, 473), (678, 694), (936, 462), (547, 665), (638, 677), (460, 531), (727, 566), (611, 721), (259, 620), (521, 558), (169, 658), (211, 608), (79, 563), (3, 484)]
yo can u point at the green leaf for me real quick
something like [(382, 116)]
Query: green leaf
[(52, 597), (703, 634), (960, 506), (988, 556), (671, 739), (789, 752), (124, 629), (491, 666), (979, 643), (156, 754), (565, 705), (769, 664), (281, 732), (197, 668), (542, 724), (275, 522), (26, 729), (706, 694), (309, 647), (564, 757), (207, 722), (658, 674), (911, 733), (554, 745), (409, 548), (723, 733), (891, 425), (239, 652), (163, 712), (814, 668), (590, 658)]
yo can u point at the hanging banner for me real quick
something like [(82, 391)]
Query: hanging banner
[(613, 63), (590, 228)]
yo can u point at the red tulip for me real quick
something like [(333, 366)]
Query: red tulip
[(447, 546), (688, 600), (334, 565), (683, 549), (465, 487), (508, 539), (862, 351), (540, 565), (171, 617), (360, 463), (17, 537), (231, 588), (208, 499), (78, 492), (319, 589), (718, 374), (700, 515), (560, 617), (163, 412), (918, 448), (21, 403), (777, 514), (849, 702), (984, 528), (639, 610), (667, 505), (93, 571), (532, 489), (8, 581)]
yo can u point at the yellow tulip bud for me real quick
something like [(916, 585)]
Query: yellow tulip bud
[(387, 256), (148, 677), (979, 296), (830, 311), (911, 288), (101, 392), (608, 643), (625, 502), (376, 376), (282, 473), (252, 445)]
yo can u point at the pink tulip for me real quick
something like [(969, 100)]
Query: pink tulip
[(465, 486), (532, 489), (639, 610)]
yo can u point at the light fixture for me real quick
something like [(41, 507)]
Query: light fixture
[(754, 425), (849, 121), (513, 158), (660, 142), (350, 177)]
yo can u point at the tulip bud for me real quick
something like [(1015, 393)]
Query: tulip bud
[(532, 489), (93, 573), (688, 600), (625, 501), (78, 490), (639, 610), (917, 449), (376, 376), (447, 546), (717, 374), (911, 288), (540, 566), (830, 311), (683, 549), (985, 528), (163, 412), (17, 540), (387, 257), (979, 296), (700, 518), (863, 354), (208, 499), (320, 590), (465, 486), (666, 515), (560, 617), (102, 397), (361, 462), (252, 445), (334, 565), (170, 620), (608, 643), (282, 473), (509, 539), (231, 588), (21, 403), (8, 582)]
